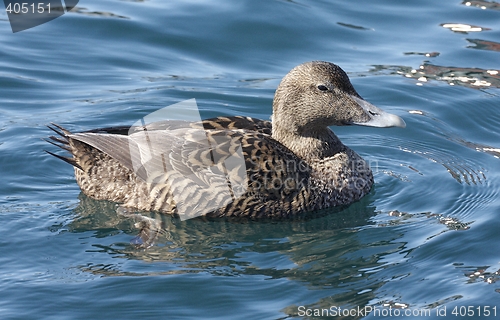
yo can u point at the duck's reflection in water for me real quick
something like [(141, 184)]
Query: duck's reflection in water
[(336, 252)]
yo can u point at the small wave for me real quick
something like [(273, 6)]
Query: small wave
[(461, 169), (101, 14)]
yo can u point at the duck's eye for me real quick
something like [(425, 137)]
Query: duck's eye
[(322, 87)]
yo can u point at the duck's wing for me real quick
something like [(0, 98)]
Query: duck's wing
[(134, 146), (115, 141), (205, 169)]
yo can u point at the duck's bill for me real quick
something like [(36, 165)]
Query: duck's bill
[(378, 117)]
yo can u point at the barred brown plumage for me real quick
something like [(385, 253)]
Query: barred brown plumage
[(290, 166)]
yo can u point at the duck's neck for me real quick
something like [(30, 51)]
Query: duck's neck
[(309, 146)]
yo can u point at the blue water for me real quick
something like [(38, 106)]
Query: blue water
[(424, 240)]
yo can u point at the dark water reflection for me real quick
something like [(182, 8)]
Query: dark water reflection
[(482, 4), (484, 45), (475, 78)]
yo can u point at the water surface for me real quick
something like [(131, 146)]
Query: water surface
[(425, 238)]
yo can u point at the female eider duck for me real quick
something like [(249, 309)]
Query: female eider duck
[(238, 166)]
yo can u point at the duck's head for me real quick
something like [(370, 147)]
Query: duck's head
[(318, 94)]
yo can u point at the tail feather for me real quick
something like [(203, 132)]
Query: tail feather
[(62, 143), (63, 146), (58, 140), (65, 133), (69, 160)]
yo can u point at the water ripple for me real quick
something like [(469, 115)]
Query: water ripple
[(464, 167), (462, 170)]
